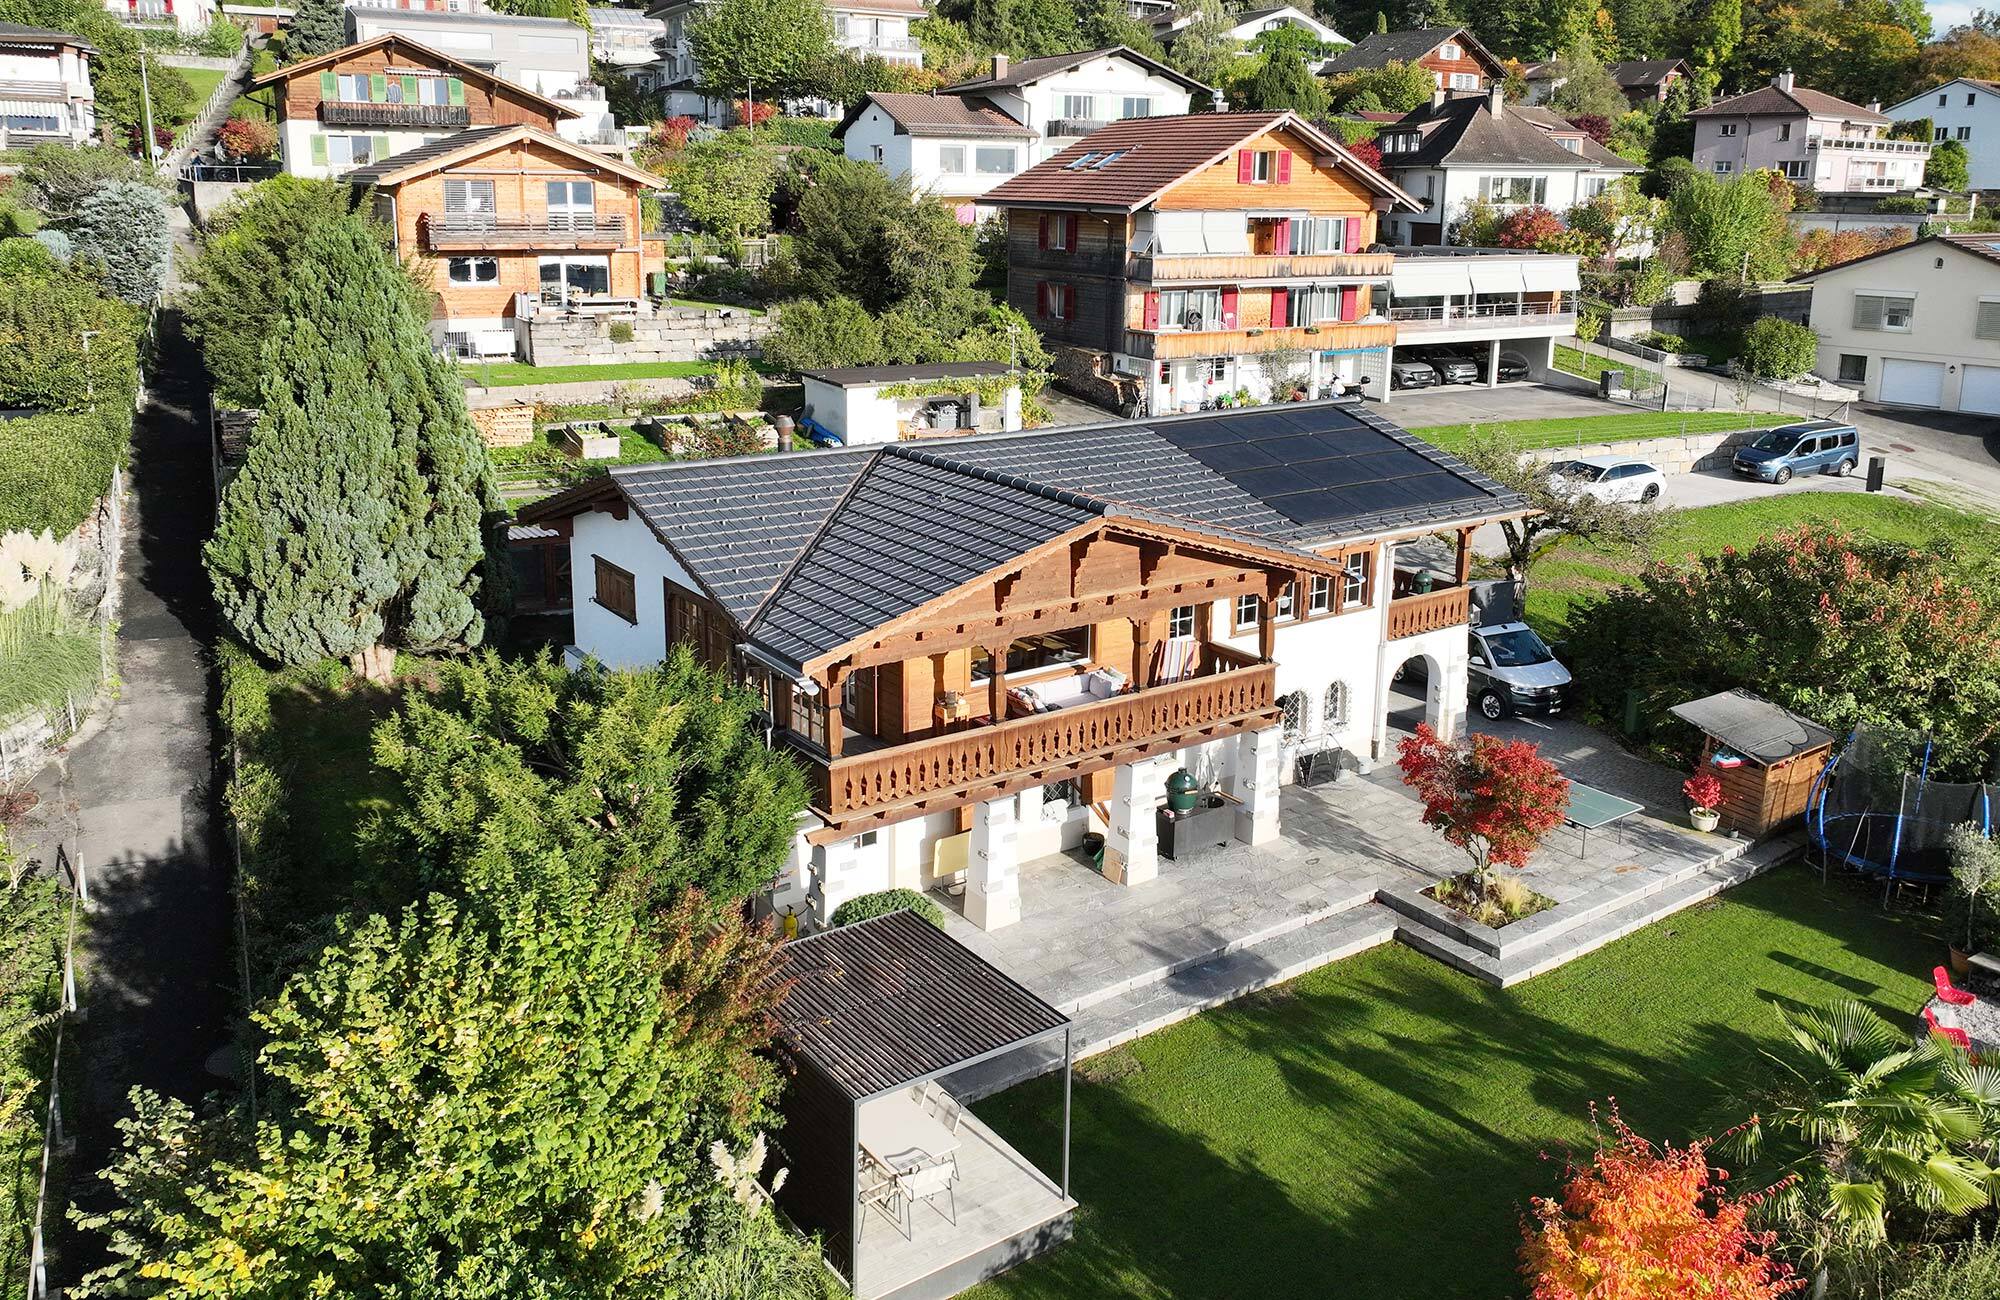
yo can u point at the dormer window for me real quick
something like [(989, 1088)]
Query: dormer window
[(1570, 143), (1450, 50)]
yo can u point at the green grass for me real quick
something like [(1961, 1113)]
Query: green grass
[(699, 305), (204, 81), (49, 671), (511, 374), (261, 62), (1575, 430), (1574, 362), (1374, 1129), (1575, 570)]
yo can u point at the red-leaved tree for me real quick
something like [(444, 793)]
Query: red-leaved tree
[(1495, 799), (1367, 151), (1529, 228), (754, 113), (1646, 1223), (1595, 125)]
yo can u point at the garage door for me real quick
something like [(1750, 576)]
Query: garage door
[(1913, 383), (1980, 392)]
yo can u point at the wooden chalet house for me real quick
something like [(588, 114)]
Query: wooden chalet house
[(362, 105), (1188, 258), (1452, 55), (983, 648)]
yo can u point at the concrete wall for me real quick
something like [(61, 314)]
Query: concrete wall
[(674, 334), (579, 393)]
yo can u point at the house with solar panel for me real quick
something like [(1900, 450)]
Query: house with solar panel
[(984, 649), (1175, 261)]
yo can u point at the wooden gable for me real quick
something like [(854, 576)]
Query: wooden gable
[(1303, 183)]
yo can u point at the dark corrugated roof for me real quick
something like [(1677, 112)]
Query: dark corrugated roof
[(1769, 101), (1379, 48), (37, 35), (894, 1000), (429, 149), (947, 115), (850, 376), (1753, 726)]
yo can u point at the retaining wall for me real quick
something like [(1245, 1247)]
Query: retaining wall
[(578, 392), (673, 334), (1683, 454)]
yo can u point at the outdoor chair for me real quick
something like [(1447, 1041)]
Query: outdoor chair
[(940, 1105), (928, 1182), (1956, 1037), (1958, 997), (881, 1190)]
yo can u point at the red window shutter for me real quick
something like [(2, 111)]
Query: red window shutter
[(1350, 302), (1244, 162), (1284, 176), (1042, 231), (1281, 307), (1281, 237), (1151, 320), (1069, 302), (1229, 309), (1069, 232), (1354, 234), (1042, 298)]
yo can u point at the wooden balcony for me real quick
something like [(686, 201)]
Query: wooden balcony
[(1409, 615), (1249, 268), (1167, 345), (1238, 694), (335, 113), (452, 233)]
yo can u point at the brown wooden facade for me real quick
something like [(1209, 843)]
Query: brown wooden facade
[(308, 90)]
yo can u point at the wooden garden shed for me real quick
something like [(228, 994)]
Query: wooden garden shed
[(1766, 757)]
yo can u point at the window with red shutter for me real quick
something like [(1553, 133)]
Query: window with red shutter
[(1353, 234), (1281, 237), (1151, 319), (1281, 307), (1350, 302), (1284, 176), (1229, 308), (1069, 232), (1042, 299), (1245, 160), (1042, 231)]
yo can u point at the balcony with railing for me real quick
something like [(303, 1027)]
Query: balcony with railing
[(1230, 692), (1855, 144), (1174, 344), (344, 113), (1075, 127), (1249, 268), (1483, 317), (453, 232)]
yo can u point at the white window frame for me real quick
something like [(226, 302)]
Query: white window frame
[(1177, 303), (1723, 167), (1794, 170), (1465, 81), (1180, 621), (1963, 133), (1087, 112), (1728, 128), (1886, 311), (980, 158), (1319, 595), (1354, 580), (568, 213), (1450, 50), (1144, 103), (1313, 235), (951, 159), (1246, 604), (1986, 317), (471, 266), (1263, 167), (1538, 190)]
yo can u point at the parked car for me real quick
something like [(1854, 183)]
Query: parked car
[(1609, 478), (1412, 374), (1822, 446), (1513, 671), (1513, 367), (1452, 367)]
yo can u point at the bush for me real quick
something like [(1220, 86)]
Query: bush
[(248, 137), (220, 39), (1661, 341), (799, 133), (885, 902), (1778, 349), (1970, 1270), (1590, 322), (54, 467), (621, 331), (814, 333)]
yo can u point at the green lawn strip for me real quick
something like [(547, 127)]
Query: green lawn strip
[(1577, 362), (1374, 1129), (1573, 569), (510, 374), (204, 81), (699, 305), (1580, 429)]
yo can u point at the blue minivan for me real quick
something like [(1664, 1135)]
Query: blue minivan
[(1815, 446)]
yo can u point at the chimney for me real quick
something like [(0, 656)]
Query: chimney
[(999, 66), (1496, 100), (1783, 81), (1875, 106), (1439, 96)]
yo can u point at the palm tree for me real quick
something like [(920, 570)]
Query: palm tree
[(1861, 1121)]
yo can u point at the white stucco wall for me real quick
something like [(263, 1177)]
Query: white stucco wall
[(630, 545), (1968, 107), (1942, 324), (295, 137)]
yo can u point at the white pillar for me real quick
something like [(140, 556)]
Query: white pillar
[(1010, 408), (906, 855), (1257, 778), (840, 871), (993, 866), (1493, 365), (1132, 844), (1029, 801)]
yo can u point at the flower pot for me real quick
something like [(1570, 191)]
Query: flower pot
[(1961, 963), (1704, 819)]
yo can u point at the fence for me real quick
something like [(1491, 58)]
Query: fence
[(219, 99), (54, 1143), (1694, 390), (752, 253)]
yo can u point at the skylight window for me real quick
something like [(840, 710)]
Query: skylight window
[(1084, 161), (1107, 160)]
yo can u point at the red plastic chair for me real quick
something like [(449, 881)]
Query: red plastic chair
[(1956, 1037), (1958, 997)]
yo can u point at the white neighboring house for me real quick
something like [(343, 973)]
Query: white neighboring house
[(1916, 325), (962, 141), (1806, 135), (858, 404), (184, 15), (1250, 23), (1968, 111), (1476, 146), (863, 27), (45, 93), (1498, 307), (550, 56)]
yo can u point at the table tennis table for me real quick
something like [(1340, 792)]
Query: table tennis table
[(1591, 809)]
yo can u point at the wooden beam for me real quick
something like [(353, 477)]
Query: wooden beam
[(1464, 555)]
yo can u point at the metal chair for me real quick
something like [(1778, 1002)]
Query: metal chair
[(882, 1190), (928, 1182), (933, 1100)]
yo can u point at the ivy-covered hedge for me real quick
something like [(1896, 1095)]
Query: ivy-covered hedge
[(885, 902), (53, 468)]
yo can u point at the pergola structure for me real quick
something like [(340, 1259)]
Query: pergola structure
[(875, 1010)]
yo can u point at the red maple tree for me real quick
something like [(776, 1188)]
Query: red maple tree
[(1368, 152), (1646, 1223), (1493, 798), (1529, 228)]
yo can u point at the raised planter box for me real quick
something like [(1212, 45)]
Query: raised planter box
[(585, 445)]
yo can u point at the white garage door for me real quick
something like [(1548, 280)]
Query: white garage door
[(1913, 383), (1980, 393)]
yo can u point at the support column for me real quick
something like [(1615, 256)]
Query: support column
[(1493, 364), (1132, 847), (1029, 801), (993, 866), (1256, 778), (996, 684)]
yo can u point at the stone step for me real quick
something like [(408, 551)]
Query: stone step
[(1192, 989), (1345, 898)]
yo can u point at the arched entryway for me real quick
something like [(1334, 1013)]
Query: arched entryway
[(1412, 692)]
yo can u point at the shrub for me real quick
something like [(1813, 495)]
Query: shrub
[(885, 902), (220, 39), (123, 226), (1778, 349), (621, 331), (1590, 322), (1661, 341), (1703, 790), (1492, 799), (814, 333), (248, 137), (1970, 1269)]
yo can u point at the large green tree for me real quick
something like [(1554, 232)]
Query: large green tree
[(1284, 82), (317, 27), (1950, 166), (1392, 88), (767, 46), (862, 233), (1734, 228), (121, 228), (725, 185), (1204, 49)]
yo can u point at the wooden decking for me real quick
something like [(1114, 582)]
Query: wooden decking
[(1008, 1211)]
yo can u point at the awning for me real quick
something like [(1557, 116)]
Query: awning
[(1435, 278), (32, 108), (1541, 274), (1496, 275)]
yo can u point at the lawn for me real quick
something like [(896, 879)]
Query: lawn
[(1574, 570), (1579, 429), (1575, 362), (1374, 1128), (510, 374), (204, 81)]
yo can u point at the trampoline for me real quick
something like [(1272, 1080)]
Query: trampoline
[(1876, 809)]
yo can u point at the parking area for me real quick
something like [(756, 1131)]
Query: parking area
[(1466, 403)]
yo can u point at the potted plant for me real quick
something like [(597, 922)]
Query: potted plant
[(1704, 796), (1975, 873)]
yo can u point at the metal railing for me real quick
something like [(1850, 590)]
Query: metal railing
[(460, 227), (1482, 311), (1868, 146), (346, 113), (53, 1140), (1076, 126), (890, 44), (237, 173)]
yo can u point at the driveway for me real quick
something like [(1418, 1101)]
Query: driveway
[(1413, 408)]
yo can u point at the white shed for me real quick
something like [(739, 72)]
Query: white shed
[(860, 404)]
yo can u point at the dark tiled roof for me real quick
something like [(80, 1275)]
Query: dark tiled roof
[(1769, 101), (1462, 132), (1024, 72), (1587, 148), (1379, 48), (1641, 73), (894, 1000), (21, 33), (849, 376), (1984, 246), (429, 149), (940, 115)]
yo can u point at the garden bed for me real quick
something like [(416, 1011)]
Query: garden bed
[(1494, 902)]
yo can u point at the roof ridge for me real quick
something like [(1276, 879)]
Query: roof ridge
[(818, 532)]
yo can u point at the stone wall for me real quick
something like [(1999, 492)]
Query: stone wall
[(673, 334), (581, 392), (1677, 455), (1086, 372), (1678, 312)]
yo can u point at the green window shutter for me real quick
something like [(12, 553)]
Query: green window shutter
[(409, 90), (378, 88), (380, 150), (318, 150), (456, 89), (329, 86)]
